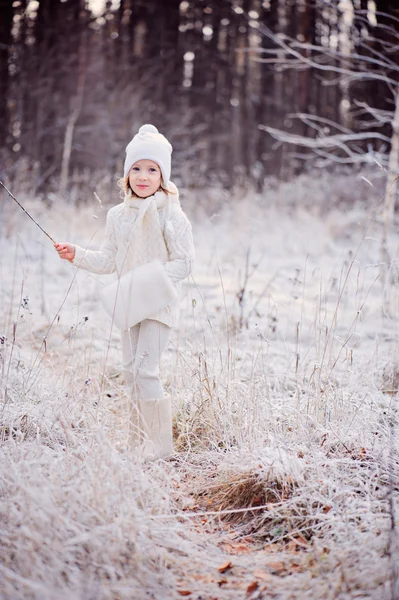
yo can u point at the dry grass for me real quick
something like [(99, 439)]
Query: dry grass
[(293, 497), (283, 375)]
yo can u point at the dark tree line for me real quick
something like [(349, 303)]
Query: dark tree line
[(75, 85)]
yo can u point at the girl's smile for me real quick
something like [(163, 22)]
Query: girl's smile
[(145, 178)]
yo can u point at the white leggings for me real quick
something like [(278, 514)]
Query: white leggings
[(142, 346)]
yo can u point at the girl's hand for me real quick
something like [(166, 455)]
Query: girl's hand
[(65, 251)]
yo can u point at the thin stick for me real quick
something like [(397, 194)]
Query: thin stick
[(25, 211)]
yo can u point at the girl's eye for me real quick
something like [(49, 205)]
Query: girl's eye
[(152, 170)]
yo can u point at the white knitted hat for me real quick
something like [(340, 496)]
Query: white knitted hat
[(149, 144)]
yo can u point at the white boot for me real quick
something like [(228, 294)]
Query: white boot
[(156, 418)]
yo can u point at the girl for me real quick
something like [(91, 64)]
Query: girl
[(148, 225)]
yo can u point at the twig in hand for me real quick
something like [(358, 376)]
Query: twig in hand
[(26, 212)]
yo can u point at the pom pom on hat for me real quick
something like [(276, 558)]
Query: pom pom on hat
[(148, 129), (149, 144)]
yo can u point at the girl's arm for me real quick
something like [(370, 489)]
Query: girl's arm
[(179, 241), (97, 261)]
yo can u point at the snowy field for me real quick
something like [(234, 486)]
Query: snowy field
[(284, 374)]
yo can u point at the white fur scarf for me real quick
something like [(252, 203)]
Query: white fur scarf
[(146, 241)]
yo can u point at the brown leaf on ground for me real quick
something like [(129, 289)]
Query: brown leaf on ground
[(259, 574), (205, 577), (184, 592), (300, 541), (296, 568), (225, 566), (252, 587), (235, 548), (277, 567)]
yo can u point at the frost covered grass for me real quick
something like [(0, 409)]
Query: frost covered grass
[(284, 379)]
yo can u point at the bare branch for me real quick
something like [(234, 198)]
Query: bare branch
[(381, 116), (312, 119), (331, 141)]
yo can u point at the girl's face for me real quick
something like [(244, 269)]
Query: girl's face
[(145, 178)]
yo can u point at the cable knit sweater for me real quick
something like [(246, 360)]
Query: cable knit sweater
[(124, 247)]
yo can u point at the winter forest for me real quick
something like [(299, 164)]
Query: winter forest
[(282, 371), (227, 81)]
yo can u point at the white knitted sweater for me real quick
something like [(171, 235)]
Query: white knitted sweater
[(125, 246)]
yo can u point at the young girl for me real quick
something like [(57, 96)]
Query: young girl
[(148, 225)]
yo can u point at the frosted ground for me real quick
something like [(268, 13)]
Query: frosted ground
[(284, 374)]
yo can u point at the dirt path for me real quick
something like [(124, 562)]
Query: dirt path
[(233, 564)]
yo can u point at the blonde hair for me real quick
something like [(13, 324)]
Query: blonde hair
[(125, 188)]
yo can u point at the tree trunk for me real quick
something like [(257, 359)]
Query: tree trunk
[(76, 107), (244, 96), (6, 19), (390, 193), (393, 169)]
